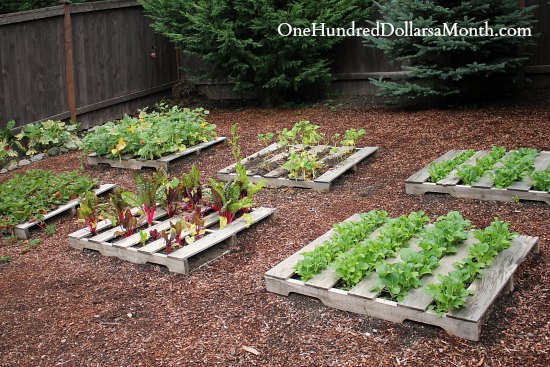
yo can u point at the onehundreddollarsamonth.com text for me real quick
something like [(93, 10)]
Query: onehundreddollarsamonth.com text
[(382, 29)]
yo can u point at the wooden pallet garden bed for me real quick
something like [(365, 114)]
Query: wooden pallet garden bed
[(484, 188), (266, 164), (22, 230), (163, 163), (464, 322), (183, 260)]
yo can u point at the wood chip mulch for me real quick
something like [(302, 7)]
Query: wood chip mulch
[(61, 307)]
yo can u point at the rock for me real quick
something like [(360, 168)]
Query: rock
[(12, 165), (24, 162), (64, 150), (3, 170), (72, 146), (38, 157), (53, 151)]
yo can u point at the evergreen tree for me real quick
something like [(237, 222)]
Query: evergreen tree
[(239, 40), (447, 65)]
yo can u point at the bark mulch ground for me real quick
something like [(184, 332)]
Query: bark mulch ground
[(61, 307)]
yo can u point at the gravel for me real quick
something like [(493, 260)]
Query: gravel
[(63, 307)]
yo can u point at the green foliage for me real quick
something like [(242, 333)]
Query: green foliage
[(150, 191), (151, 135), (8, 144), (441, 239), (346, 236), (91, 211), (303, 132), (516, 165), (303, 165), (239, 41), (451, 292), (541, 180), (50, 230), (5, 259), (29, 245), (354, 265), (41, 136), (266, 138), (30, 195), (449, 65), (351, 136), (440, 170), (470, 174)]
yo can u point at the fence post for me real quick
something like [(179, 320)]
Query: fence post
[(69, 65)]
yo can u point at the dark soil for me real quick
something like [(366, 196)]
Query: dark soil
[(61, 307)]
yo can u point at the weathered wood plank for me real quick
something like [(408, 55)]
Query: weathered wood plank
[(423, 175), (285, 269), (342, 167), (263, 152), (452, 178), (221, 235), (485, 181), (486, 289)]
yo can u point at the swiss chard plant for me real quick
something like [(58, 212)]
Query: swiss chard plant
[(91, 211), (149, 193), (128, 225)]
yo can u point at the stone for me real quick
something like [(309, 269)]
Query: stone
[(12, 166), (72, 146), (64, 150), (24, 162), (38, 157), (3, 170), (53, 151)]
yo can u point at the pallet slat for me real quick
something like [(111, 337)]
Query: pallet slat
[(423, 175), (342, 167), (452, 178), (161, 163), (542, 161)]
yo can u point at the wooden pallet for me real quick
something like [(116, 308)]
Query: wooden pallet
[(183, 260), (22, 230), (278, 176), (163, 163), (484, 188), (465, 322)]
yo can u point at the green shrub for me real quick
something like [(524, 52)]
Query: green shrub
[(239, 40)]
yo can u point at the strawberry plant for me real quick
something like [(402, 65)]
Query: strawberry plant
[(152, 134), (541, 180), (515, 166), (440, 170), (470, 174), (346, 236), (28, 196)]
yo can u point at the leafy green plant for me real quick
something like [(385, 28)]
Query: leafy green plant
[(150, 135), (50, 230), (346, 236), (451, 292), (91, 210), (28, 196), (29, 245), (516, 165), (541, 180), (266, 138), (470, 174), (8, 144), (5, 259), (351, 136), (128, 225), (354, 265), (149, 193), (440, 170), (303, 165), (143, 237), (46, 134), (192, 189)]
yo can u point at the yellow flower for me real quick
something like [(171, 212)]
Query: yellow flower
[(141, 120), (132, 128), (203, 125), (119, 147)]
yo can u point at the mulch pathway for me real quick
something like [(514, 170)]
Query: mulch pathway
[(61, 307)]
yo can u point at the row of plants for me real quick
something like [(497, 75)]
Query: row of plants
[(303, 162), (513, 167), (28, 196), (37, 137), (359, 249), (152, 134), (185, 199)]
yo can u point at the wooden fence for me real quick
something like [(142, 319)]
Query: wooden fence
[(92, 61)]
